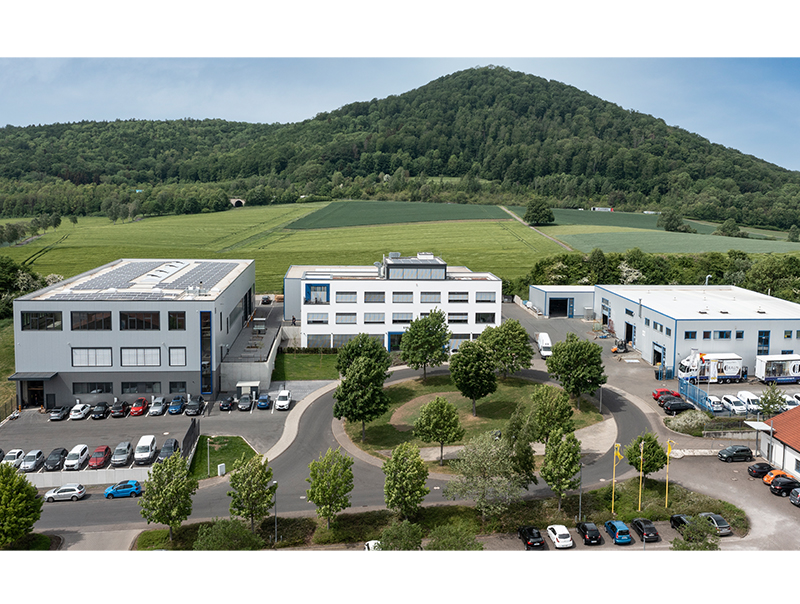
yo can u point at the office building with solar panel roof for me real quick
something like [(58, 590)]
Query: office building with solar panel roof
[(133, 327)]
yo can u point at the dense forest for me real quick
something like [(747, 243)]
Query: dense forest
[(484, 135)]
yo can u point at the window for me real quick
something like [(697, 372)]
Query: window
[(416, 272), (177, 387), (458, 339), (656, 325), (91, 321), (787, 351), (140, 357), (722, 335), (796, 335), (177, 357), (41, 321), (689, 335), (91, 357), (647, 322), (485, 297), (669, 331), (706, 335), (92, 388), (319, 340), (763, 344), (346, 297), (317, 317), (403, 297), (141, 387), (629, 312), (431, 297), (787, 335), (457, 317), (346, 318), (797, 465), (458, 297), (177, 320), (317, 294), (374, 317), (740, 335), (340, 339), (402, 317), (144, 321), (484, 317), (374, 297)]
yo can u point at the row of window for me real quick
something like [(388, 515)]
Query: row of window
[(658, 327), (129, 357), (337, 340), (101, 321), (127, 387), (319, 295), (723, 334), (351, 318)]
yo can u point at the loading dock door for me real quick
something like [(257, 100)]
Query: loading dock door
[(559, 307)]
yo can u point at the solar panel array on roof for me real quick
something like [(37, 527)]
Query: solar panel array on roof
[(207, 273), (415, 261), (120, 276)]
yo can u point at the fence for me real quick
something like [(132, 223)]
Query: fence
[(7, 407)]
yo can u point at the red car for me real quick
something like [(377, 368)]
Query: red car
[(140, 406), (657, 394), (100, 457)]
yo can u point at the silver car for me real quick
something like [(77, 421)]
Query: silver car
[(72, 492), (159, 406), (32, 461), (14, 457), (122, 454)]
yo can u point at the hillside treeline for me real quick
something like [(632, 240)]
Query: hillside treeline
[(776, 275), (485, 135)]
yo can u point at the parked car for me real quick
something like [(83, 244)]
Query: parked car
[(284, 401), (263, 401), (226, 404), (675, 407), (715, 403), (122, 454), (789, 402), (68, 491), (589, 533), (735, 453), (783, 486), (58, 414), (372, 546), (750, 400), (177, 405), (658, 392), (618, 531), (244, 403), (76, 457), (759, 470), (32, 461), (794, 497), (159, 406), (718, 522), (734, 405), (100, 457), (2, 455), (140, 406), (120, 408), (531, 537), (126, 488), (196, 406), (14, 457), (145, 450), (668, 398), (559, 535), (678, 521), (101, 411), (80, 411), (168, 448), (645, 528), (55, 461), (773, 474)]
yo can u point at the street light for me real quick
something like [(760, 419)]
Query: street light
[(275, 482), (208, 454), (580, 496)]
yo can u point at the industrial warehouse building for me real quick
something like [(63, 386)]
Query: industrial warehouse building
[(333, 304), (665, 322), (130, 327)]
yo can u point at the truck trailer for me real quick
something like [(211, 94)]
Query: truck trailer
[(714, 367), (779, 368)]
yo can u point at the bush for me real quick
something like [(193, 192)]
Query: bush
[(227, 534), (688, 422)]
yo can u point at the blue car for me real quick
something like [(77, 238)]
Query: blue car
[(618, 532), (177, 405), (126, 488), (263, 401)]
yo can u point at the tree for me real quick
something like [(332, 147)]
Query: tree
[(167, 499), (771, 400), (597, 266), (360, 396), (577, 364), (331, 479), (472, 371), (538, 211), (227, 534), (73, 219), (425, 342), (363, 345), (670, 220), (438, 422), (696, 535), (519, 434), (486, 475), (562, 461), (453, 537), (20, 506), (401, 536), (551, 411), (509, 345), (794, 234), (253, 493), (655, 457), (406, 474)]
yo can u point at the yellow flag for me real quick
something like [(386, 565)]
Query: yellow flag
[(617, 454), (669, 447)]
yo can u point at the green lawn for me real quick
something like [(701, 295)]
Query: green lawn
[(221, 449), (294, 366)]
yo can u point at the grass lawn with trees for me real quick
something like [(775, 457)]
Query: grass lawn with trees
[(300, 366), (221, 449)]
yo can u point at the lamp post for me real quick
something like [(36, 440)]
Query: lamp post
[(580, 496), (275, 482), (208, 454)]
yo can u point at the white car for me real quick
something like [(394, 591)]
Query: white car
[(734, 405), (80, 411), (14, 457), (749, 399), (559, 535), (372, 546), (715, 404), (76, 457), (789, 402), (284, 400)]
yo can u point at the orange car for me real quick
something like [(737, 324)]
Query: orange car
[(772, 475)]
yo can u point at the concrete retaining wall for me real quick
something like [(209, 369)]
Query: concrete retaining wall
[(232, 373), (729, 434)]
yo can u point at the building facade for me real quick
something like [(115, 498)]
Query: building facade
[(333, 304), (130, 328)]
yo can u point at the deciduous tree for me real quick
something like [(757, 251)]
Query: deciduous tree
[(253, 493), (519, 434), (551, 411), (360, 396), (538, 211), (406, 474), (510, 346), (655, 457), (401, 536), (425, 342), (697, 535), (167, 498), (20, 508), (363, 345), (438, 422), (331, 479), (577, 364), (472, 371), (562, 461)]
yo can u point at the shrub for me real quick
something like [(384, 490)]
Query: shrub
[(688, 422), (227, 534)]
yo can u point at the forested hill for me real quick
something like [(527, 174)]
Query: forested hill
[(504, 135)]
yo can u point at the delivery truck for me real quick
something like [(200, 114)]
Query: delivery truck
[(779, 368), (714, 367), (543, 342)]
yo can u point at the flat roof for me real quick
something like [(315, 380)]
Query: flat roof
[(146, 280), (706, 302), (330, 272), (577, 289)]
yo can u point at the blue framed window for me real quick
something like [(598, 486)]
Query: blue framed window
[(689, 335), (318, 293)]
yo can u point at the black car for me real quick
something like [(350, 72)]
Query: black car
[(759, 470), (55, 461), (783, 486), (678, 521), (100, 411), (531, 537), (735, 453), (588, 532), (120, 409), (674, 407), (168, 448), (58, 413), (645, 528), (667, 398), (226, 404), (195, 406)]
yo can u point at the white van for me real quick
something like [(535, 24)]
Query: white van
[(749, 399), (543, 342), (145, 450), (76, 457)]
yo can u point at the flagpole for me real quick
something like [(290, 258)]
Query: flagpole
[(641, 465), (617, 457)]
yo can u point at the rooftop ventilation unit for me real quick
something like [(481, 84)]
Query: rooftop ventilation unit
[(394, 255)]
